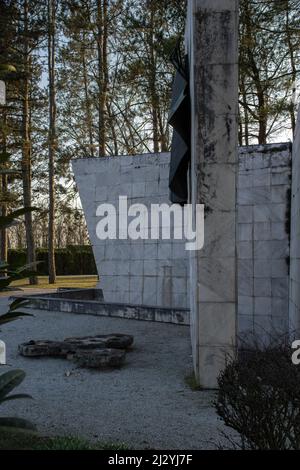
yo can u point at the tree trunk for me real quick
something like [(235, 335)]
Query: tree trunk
[(102, 37), (113, 130), (245, 137), (262, 117), (26, 151), (89, 120), (3, 255), (152, 86), (163, 134), (52, 139), (240, 136), (293, 67)]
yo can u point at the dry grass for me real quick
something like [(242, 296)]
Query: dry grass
[(62, 281)]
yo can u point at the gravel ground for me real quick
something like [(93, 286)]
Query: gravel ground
[(146, 404)]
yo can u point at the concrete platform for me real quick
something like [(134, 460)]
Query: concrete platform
[(91, 302)]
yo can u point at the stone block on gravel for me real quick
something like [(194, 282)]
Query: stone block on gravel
[(71, 346), (43, 349), (99, 358), (114, 341)]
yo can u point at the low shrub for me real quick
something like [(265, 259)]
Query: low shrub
[(70, 261), (259, 397)]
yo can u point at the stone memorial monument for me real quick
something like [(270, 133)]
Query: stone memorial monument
[(212, 46), (246, 278)]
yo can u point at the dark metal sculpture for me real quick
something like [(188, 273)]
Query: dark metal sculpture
[(180, 120)]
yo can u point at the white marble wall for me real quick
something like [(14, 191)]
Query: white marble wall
[(295, 236), (156, 272), (148, 272), (263, 241)]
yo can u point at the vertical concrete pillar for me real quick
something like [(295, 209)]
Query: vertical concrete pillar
[(212, 43), (294, 297)]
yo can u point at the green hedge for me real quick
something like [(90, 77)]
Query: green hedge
[(70, 261)]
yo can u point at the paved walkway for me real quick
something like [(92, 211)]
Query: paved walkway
[(146, 404)]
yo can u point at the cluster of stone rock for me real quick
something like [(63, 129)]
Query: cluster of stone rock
[(97, 352)]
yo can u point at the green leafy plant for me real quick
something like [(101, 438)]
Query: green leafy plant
[(8, 275), (6, 68), (7, 221), (8, 382), (13, 312)]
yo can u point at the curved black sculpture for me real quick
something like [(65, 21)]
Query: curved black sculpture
[(180, 120)]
